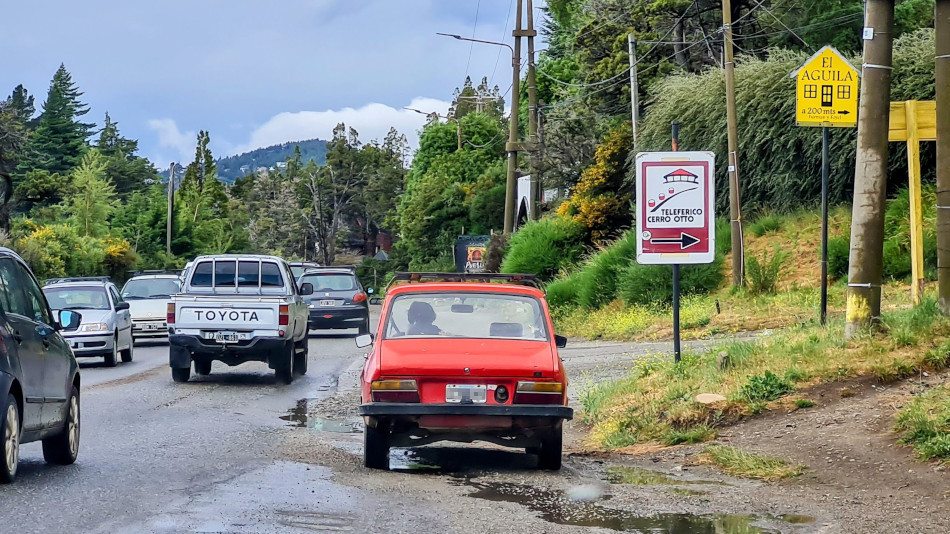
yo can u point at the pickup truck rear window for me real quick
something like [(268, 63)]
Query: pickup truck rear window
[(224, 273), (270, 275), (202, 275), (231, 273)]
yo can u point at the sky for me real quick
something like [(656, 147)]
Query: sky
[(255, 72)]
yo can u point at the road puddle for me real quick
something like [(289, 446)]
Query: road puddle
[(409, 460), (301, 417), (797, 519), (637, 476), (556, 507)]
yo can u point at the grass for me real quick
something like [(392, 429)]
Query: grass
[(739, 463), (925, 423), (655, 401)]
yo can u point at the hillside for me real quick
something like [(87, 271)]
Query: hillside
[(230, 168)]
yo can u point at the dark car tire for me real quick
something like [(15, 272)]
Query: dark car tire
[(375, 448), (364, 327), (181, 374), (127, 353), (63, 448), (301, 354), (284, 370), (203, 368), (9, 439), (112, 357), (549, 457)]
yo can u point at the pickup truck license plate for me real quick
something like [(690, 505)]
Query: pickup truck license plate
[(227, 337), (466, 393), (328, 303)]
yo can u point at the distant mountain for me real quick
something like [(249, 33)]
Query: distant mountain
[(233, 167)]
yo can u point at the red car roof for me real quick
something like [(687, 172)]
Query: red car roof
[(465, 287)]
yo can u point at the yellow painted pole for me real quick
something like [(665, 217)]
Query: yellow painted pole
[(916, 214)]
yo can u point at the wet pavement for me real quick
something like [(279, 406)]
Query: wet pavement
[(236, 452)]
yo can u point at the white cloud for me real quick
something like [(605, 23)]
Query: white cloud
[(372, 121), (170, 137)]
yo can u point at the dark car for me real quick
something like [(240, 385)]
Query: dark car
[(39, 377), (300, 267), (338, 299)]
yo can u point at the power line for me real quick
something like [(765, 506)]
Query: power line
[(784, 26), (504, 34), (472, 47)]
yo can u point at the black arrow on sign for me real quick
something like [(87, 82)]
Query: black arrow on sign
[(685, 240), (845, 112)]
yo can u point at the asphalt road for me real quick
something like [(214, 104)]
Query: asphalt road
[(236, 452)]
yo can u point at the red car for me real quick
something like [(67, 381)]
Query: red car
[(461, 361)]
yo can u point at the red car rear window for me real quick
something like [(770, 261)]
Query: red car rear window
[(466, 315)]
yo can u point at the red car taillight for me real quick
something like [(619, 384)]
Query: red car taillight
[(170, 313), (284, 315), (395, 391), (359, 297), (538, 393)]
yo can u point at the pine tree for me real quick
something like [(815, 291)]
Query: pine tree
[(93, 201), (59, 141), (123, 168)]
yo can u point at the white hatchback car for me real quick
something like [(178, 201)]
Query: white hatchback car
[(148, 294), (106, 328)]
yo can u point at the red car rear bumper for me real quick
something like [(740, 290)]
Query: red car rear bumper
[(415, 409)]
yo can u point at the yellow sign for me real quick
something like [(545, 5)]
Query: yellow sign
[(827, 93)]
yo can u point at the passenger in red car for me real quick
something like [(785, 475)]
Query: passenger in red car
[(421, 317)]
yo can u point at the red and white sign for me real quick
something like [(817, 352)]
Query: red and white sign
[(676, 207)]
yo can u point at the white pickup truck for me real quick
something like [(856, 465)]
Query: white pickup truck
[(236, 308)]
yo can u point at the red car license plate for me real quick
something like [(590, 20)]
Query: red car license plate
[(465, 393)]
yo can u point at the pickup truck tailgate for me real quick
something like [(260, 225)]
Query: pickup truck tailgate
[(233, 315)]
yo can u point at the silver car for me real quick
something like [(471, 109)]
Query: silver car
[(148, 294), (106, 327)]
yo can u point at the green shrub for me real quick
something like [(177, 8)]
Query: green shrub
[(597, 280), (804, 403), (545, 247), (561, 293), (839, 251), (647, 284), (495, 253), (372, 273), (763, 276), (723, 236), (765, 387), (765, 224)]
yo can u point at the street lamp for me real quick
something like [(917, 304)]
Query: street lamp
[(511, 184), (458, 125)]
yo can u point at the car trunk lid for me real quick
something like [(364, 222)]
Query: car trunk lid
[(481, 357)]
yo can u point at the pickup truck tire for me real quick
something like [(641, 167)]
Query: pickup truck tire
[(181, 374), (203, 367), (301, 353), (284, 370), (375, 448), (549, 457), (63, 448)]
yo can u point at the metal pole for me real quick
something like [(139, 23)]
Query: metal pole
[(732, 130), (533, 116), (169, 224), (634, 88), (825, 169), (942, 75), (676, 271), (511, 184), (870, 176)]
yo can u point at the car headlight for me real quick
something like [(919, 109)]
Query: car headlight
[(94, 327)]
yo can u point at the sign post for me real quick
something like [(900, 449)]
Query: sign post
[(675, 214), (826, 97)]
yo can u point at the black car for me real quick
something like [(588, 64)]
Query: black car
[(39, 377), (338, 299)]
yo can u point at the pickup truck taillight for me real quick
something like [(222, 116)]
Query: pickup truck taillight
[(170, 313), (359, 297), (284, 315), (538, 393), (395, 391)]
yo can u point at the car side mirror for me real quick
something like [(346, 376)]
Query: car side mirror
[(376, 301), (306, 289), (122, 306), (560, 341), (68, 320), (364, 340)]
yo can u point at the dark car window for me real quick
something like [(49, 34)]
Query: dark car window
[(224, 273), (202, 274), (270, 275), (331, 282), (114, 295), (13, 300), (249, 273), (35, 303)]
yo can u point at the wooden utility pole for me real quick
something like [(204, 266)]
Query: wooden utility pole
[(942, 74), (732, 133), (511, 184), (634, 86), (870, 174), (169, 224), (533, 117)]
